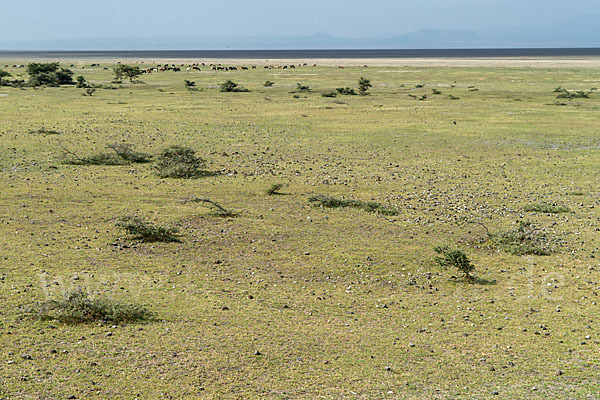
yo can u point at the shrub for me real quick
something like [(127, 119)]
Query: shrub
[(89, 91), (3, 74), (179, 162), (81, 82), (44, 131), (97, 159), (579, 94), (189, 84), (452, 97), (275, 189), (218, 210), (525, 240), (123, 155), (346, 91), (455, 258), (436, 91), (419, 85), (321, 200), (77, 307), (126, 152), (146, 231), (363, 86), (546, 208), (329, 94), (231, 86), (302, 88), (268, 83)]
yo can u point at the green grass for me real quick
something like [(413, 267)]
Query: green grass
[(330, 298)]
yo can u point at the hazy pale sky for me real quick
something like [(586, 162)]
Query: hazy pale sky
[(65, 19)]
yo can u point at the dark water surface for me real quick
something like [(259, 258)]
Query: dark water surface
[(310, 54)]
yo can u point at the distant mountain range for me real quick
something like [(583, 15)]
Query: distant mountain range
[(576, 32)]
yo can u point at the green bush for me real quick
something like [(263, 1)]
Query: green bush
[(455, 258), (44, 131), (123, 154), (546, 208), (268, 83), (302, 88), (77, 307), (179, 162), (3, 74), (231, 86), (275, 189), (363, 86), (329, 94), (146, 231), (218, 210), (321, 200), (81, 82), (346, 91), (525, 240)]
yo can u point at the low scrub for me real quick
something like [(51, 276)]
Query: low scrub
[(275, 189), (123, 154), (179, 162), (455, 258), (565, 94), (321, 200), (527, 239), (231, 86), (44, 131), (546, 208), (76, 307), (217, 209), (300, 88), (346, 91), (147, 231)]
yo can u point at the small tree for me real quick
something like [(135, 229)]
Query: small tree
[(3, 74), (128, 71), (455, 258), (179, 162), (81, 82), (302, 88), (363, 86), (231, 86), (49, 74)]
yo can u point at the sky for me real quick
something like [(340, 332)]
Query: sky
[(69, 19)]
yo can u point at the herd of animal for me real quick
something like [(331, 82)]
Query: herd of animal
[(216, 67)]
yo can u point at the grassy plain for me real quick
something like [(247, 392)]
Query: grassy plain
[(340, 303)]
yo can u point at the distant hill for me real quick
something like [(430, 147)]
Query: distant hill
[(574, 32)]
